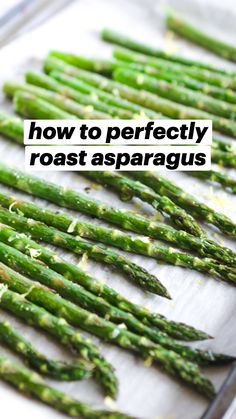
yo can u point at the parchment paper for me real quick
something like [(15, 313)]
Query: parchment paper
[(199, 300)]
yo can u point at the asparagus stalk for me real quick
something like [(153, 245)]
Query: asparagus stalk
[(175, 93), (154, 64), (56, 327), (56, 369), (124, 41), (11, 127), (143, 98), (177, 330), (32, 384), (225, 159), (220, 178), (81, 106), (30, 106), (120, 105), (128, 188), (178, 74), (187, 201), (105, 329), (172, 363), (139, 245), (182, 27)]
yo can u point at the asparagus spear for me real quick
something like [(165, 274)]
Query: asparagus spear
[(105, 329), (143, 98), (172, 363), (124, 41), (212, 79), (175, 93), (55, 369), (225, 159), (40, 79), (32, 384), (221, 178), (139, 245), (128, 188), (182, 27), (177, 330), (187, 201), (11, 127), (58, 328), (77, 104), (30, 106), (177, 74)]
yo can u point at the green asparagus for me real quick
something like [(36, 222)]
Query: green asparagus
[(110, 100), (27, 381), (56, 369), (150, 85), (187, 201), (128, 188), (153, 64), (97, 65), (171, 256), (172, 363), (70, 290), (97, 252), (56, 327), (143, 98), (105, 329), (124, 41), (176, 73), (81, 106), (220, 178), (139, 245), (107, 66), (175, 93), (75, 200), (182, 27), (65, 222)]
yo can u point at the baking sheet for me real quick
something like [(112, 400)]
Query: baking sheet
[(199, 300)]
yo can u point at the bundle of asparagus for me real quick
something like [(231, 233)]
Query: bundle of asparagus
[(146, 83)]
